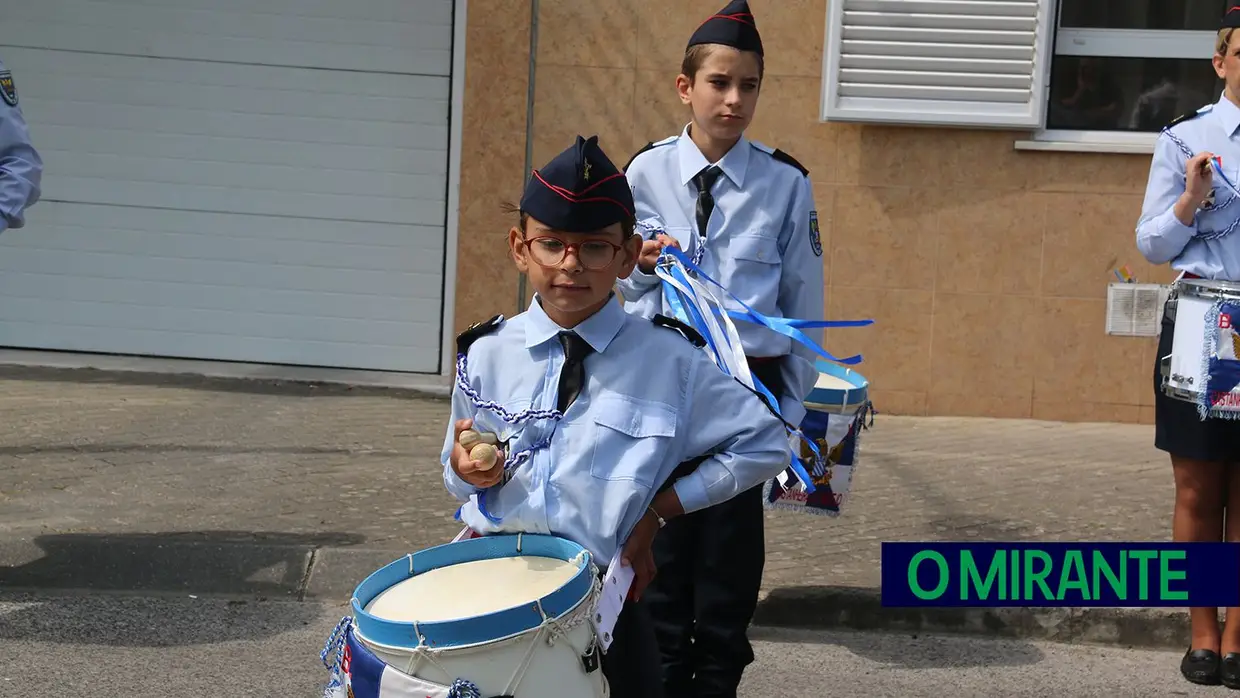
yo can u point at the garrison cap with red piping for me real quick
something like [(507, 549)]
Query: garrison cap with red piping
[(579, 191)]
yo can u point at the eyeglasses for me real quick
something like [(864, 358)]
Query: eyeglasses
[(592, 254)]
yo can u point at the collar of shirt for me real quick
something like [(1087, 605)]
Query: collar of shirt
[(598, 330), (734, 164), (1228, 115)]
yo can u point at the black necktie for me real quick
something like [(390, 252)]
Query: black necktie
[(704, 180), (573, 374)]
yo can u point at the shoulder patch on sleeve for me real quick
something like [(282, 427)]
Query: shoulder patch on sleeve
[(815, 237), (481, 329), (8, 89), (673, 324)]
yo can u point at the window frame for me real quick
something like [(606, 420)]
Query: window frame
[(1112, 43), (933, 112)]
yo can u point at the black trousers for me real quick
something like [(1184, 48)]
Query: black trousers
[(631, 664), (1178, 429), (706, 588)]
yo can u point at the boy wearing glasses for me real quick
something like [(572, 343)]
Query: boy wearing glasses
[(594, 407)]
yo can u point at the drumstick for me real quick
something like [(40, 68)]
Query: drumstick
[(481, 447), (486, 454), (469, 437)]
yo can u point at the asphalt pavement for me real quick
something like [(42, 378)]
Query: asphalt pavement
[(105, 645)]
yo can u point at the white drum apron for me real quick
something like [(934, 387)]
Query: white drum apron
[(509, 615), (1204, 343)]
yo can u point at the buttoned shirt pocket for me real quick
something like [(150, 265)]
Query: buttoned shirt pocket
[(1218, 214), (1221, 218), (757, 249), (1221, 195), (751, 270), (631, 439)]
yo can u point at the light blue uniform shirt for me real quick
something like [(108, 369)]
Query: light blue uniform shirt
[(21, 168), (762, 244), (1210, 247), (651, 400)]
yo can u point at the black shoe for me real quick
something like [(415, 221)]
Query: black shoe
[(1202, 666), (1229, 670)]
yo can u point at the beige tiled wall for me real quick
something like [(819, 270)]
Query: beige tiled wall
[(492, 154), (984, 267)]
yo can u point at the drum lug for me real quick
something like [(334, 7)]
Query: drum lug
[(1169, 377)]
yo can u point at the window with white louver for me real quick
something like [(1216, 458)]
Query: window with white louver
[(979, 63)]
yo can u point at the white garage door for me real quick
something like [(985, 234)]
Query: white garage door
[(241, 180)]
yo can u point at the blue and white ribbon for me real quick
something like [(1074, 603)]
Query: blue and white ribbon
[(687, 290)]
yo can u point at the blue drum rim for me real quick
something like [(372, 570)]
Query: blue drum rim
[(488, 627), (830, 397)]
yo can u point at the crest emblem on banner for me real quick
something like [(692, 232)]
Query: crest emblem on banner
[(1221, 394)]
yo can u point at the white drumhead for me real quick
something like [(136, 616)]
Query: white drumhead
[(471, 589), (827, 381)]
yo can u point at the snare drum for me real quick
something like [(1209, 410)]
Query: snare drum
[(834, 410), (1204, 365), (506, 615), (839, 390)]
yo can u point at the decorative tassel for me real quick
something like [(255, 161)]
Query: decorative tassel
[(464, 689)]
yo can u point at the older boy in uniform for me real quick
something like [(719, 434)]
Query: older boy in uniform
[(745, 214)]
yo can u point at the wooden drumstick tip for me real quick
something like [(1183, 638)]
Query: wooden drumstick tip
[(486, 454), (468, 438)]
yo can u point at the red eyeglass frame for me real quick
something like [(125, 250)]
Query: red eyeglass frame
[(574, 247)]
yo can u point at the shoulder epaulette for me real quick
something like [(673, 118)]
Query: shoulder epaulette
[(673, 324), (765, 402), (789, 160), (476, 331), (648, 146), (781, 156), (1190, 115)]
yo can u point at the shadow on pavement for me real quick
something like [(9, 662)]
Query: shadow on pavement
[(138, 621), (859, 609), (905, 650), (169, 581), (243, 563)]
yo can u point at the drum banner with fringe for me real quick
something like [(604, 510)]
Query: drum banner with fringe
[(691, 296), (357, 673), (1220, 397), (837, 437)]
